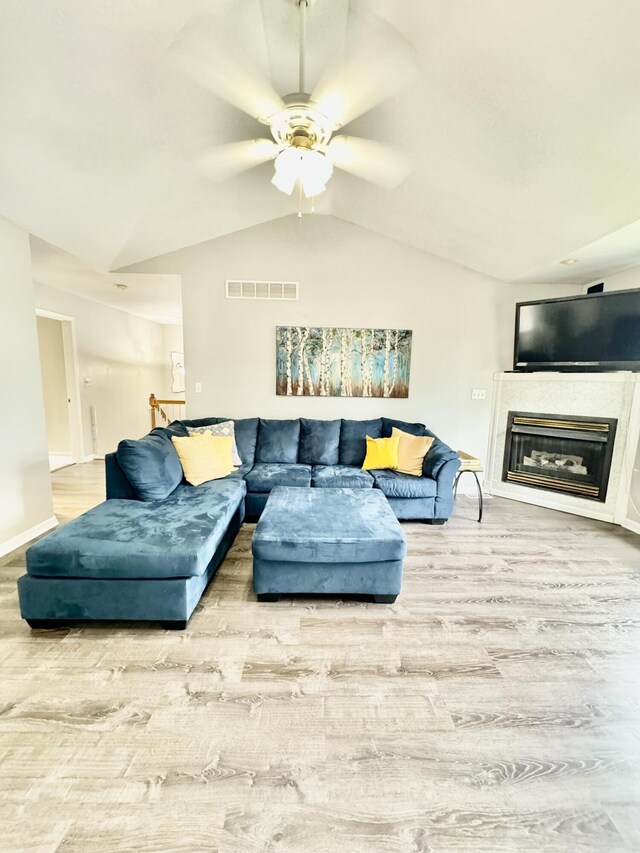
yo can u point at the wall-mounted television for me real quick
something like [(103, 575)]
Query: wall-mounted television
[(594, 332)]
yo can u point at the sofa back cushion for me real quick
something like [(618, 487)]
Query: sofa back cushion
[(319, 442), (151, 465), (413, 429), (278, 441), (246, 439), (174, 428), (202, 422), (353, 440)]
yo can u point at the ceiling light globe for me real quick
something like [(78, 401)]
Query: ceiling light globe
[(316, 171), (288, 167)]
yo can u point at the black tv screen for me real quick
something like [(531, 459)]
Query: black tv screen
[(599, 331)]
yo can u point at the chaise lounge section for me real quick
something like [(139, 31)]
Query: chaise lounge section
[(133, 560)]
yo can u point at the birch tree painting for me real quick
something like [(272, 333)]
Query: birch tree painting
[(332, 362)]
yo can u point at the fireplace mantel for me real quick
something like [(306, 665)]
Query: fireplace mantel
[(598, 395)]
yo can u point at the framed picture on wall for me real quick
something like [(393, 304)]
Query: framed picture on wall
[(177, 373), (337, 362)]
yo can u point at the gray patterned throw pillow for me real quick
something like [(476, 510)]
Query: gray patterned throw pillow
[(225, 428)]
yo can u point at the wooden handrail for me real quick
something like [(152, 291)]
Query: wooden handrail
[(156, 406)]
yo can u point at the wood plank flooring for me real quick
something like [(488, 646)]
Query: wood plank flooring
[(495, 707)]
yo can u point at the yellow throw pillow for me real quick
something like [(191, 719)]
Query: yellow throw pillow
[(411, 451), (204, 457), (381, 453)]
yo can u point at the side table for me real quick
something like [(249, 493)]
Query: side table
[(473, 466)]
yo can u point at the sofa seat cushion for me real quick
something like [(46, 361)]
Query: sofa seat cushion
[(264, 476), (328, 526), (241, 472), (176, 537), (340, 477), (394, 484)]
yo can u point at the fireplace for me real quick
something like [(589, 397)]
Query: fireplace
[(559, 453)]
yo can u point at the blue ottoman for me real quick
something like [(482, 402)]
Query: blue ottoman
[(328, 541)]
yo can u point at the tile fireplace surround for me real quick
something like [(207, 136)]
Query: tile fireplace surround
[(597, 395)]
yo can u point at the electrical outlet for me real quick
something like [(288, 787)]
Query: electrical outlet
[(198, 387), (478, 394)]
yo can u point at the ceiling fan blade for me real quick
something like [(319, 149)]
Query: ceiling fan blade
[(372, 161), (211, 60), (224, 161), (379, 63)]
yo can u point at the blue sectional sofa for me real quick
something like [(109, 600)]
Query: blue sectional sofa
[(148, 552), (316, 454)]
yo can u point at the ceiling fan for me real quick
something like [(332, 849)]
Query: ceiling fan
[(306, 143)]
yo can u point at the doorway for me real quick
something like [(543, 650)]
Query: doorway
[(56, 342)]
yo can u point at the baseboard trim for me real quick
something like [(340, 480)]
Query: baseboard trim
[(633, 526), (89, 458), (27, 535)]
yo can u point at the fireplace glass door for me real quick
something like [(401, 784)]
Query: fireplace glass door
[(563, 454)]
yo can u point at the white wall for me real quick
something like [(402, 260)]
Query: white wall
[(348, 277), (625, 280), (124, 358), (54, 385), (26, 507)]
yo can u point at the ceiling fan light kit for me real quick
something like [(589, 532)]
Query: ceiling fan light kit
[(303, 132), (307, 166), (302, 125)]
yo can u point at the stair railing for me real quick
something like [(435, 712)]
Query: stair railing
[(159, 409)]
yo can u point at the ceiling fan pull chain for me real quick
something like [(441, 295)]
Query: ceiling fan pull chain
[(303, 43)]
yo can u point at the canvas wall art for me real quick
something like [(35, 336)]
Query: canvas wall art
[(333, 362)]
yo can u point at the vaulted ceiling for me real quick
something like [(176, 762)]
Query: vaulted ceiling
[(522, 125)]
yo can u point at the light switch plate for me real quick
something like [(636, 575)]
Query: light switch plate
[(478, 394), (198, 387)]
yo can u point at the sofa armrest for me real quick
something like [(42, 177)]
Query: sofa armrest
[(439, 453), (444, 488), (446, 476), (117, 484)]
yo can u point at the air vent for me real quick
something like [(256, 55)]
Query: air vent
[(237, 289)]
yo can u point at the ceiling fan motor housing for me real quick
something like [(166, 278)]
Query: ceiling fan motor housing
[(300, 123)]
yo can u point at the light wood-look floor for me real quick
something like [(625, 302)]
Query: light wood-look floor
[(495, 707)]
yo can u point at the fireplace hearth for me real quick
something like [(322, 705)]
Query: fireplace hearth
[(559, 453)]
